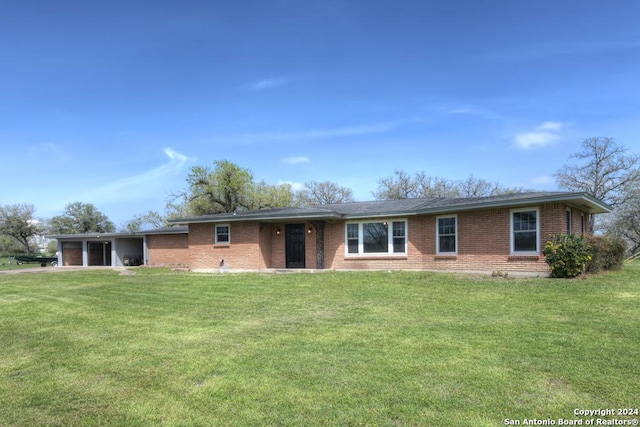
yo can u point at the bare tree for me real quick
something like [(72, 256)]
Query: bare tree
[(323, 193), (626, 224), (603, 169), (151, 218), (434, 186), (398, 186), (403, 186)]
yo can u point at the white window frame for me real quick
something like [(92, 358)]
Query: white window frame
[(215, 233), (438, 218), (390, 252), (512, 234), (569, 216)]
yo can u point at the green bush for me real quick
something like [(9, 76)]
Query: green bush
[(567, 255), (608, 253)]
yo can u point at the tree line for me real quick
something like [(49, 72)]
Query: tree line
[(603, 168)]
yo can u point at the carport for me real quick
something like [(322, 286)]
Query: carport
[(107, 249)]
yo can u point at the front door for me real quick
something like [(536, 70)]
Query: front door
[(294, 245)]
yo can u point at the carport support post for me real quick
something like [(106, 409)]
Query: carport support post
[(85, 254), (115, 262), (59, 253), (145, 250)]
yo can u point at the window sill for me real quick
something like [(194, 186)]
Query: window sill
[(524, 257), (443, 257), (221, 245), (354, 257)]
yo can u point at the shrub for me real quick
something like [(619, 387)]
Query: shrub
[(567, 255), (608, 253)]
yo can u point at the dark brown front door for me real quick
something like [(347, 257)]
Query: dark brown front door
[(294, 246)]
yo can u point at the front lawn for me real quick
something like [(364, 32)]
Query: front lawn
[(391, 349)]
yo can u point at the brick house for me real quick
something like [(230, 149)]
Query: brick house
[(498, 233)]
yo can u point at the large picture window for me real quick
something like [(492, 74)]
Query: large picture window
[(525, 231), (376, 237), (447, 235)]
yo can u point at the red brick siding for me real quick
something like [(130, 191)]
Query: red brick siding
[(244, 251), (168, 250), (278, 259), (483, 244), (275, 257)]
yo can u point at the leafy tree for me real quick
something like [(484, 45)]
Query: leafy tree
[(323, 193), (17, 222), (227, 188), (152, 218), (80, 217), (262, 195), (8, 244), (403, 186), (605, 170)]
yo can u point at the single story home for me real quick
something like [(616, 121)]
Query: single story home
[(503, 233)]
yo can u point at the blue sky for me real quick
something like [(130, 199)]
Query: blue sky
[(112, 102)]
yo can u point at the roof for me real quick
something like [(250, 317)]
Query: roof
[(404, 207), (122, 234)]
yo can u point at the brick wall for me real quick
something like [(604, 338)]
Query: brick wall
[(483, 244), (245, 250), (168, 250)]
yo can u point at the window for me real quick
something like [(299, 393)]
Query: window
[(524, 231), (352, 238), (583, 224), (447, 236), (568, 221), (222, 234), (380, 237), (399, 238)]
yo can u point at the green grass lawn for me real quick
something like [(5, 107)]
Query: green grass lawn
[(388, 349)]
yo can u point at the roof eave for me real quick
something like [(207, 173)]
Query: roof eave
[(264, 218), (583, 200)]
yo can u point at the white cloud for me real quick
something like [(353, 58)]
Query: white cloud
[(295, 186), (268, 83), (314, 133), (543, 135), (458, 110), (143, 185), (318, 133), (295, 160)]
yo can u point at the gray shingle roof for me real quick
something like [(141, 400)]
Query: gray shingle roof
[(379, 208)]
